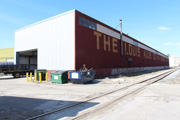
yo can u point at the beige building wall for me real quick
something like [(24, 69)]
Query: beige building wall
[(174, 61), (6, 55)]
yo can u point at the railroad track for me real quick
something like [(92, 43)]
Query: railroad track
[(115, 101), (100, 107)]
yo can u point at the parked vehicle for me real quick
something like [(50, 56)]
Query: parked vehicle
[(16, 70)]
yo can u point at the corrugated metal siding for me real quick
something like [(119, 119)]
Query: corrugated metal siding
[(6, 54), (53, 39), (114, 34), (103, 52)]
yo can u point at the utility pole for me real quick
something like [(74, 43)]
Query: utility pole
[(121, 37)]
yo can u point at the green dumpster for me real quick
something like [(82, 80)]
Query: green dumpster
[(59, 76), (43, 73)]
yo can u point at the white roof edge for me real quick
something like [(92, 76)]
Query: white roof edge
[(46, 19)]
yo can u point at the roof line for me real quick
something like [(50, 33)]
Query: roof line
[(46, 20)]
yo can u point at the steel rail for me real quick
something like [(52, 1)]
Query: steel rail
[(93, 98), (137, 90)]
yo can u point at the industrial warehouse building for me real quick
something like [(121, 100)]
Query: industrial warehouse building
[(174, 61), (69, 40)]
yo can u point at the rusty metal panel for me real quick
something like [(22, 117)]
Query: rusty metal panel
[(100, 49)]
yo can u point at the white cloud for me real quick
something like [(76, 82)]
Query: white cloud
[(168, 44), (163, 28), (171, 44), (178, 43)]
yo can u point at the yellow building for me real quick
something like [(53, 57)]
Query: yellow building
[(6, 55)]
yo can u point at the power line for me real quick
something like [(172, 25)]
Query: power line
[(117, 26)]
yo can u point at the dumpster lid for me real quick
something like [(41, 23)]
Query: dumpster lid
[(59, 71)]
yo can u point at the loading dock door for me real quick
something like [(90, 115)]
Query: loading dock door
[(27, 58)]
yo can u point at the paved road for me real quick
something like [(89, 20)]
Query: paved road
[(20, 99)]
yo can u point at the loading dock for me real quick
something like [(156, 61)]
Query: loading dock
[(27, 58)]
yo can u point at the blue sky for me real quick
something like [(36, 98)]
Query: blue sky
[(153, 22)]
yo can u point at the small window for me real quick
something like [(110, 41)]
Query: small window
[(80, 20), (135, 43), (87, 23)]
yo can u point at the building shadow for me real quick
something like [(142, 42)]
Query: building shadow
[(7, 78), (20, 108)]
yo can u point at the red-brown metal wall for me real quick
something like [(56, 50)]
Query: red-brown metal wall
[(106, 54)]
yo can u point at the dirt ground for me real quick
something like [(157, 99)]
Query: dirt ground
[(161, 101)]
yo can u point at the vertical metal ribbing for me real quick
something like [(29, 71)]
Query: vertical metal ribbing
[(121, 37)]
